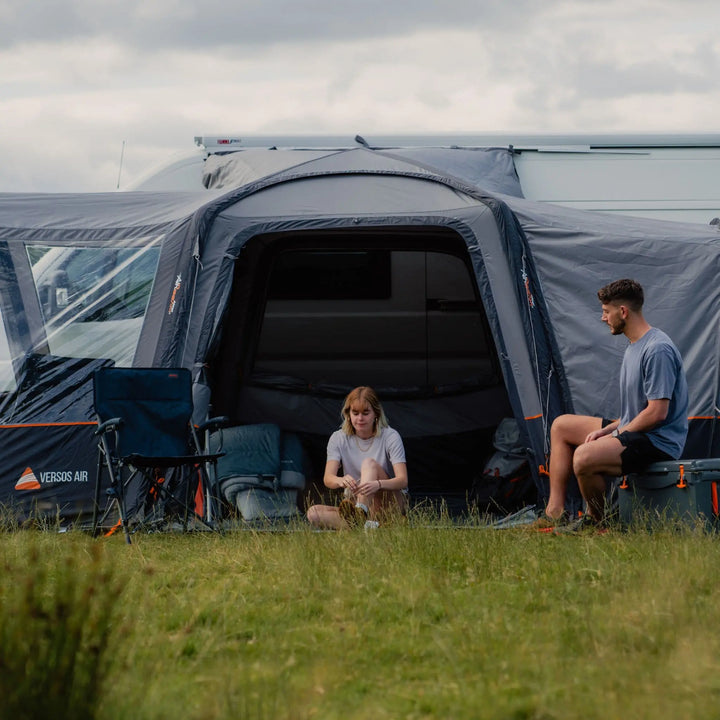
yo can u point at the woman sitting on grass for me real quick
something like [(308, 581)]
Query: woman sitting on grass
[(372, 458)]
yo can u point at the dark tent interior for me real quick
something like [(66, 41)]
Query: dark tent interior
[(313, 314)]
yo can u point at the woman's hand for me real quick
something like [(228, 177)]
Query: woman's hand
[(349, 482), (366, 489)]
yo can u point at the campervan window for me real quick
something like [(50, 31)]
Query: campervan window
[(331, 275), (93, 299), (399, 318)]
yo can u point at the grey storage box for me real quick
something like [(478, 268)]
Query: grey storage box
[(673, 490)]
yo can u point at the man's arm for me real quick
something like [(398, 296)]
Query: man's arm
[(651, 416)]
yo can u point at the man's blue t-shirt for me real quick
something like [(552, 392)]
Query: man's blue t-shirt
[(652, 369)]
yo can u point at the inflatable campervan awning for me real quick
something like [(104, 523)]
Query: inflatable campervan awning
[(301, 274)]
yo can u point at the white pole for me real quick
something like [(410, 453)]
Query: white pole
[(122, 155)]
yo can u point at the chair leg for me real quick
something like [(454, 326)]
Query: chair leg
[(116, 488), (211, 508), (185, 497), (119, 488), (96, 499)]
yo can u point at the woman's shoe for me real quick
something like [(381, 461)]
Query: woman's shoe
[(355, 515)]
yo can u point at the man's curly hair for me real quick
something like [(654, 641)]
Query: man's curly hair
[(627, 291)]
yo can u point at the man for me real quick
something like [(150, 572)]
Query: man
[(653, 412)]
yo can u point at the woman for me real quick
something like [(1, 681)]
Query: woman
[(372, 458)]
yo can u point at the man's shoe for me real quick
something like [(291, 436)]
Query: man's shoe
[(354, 515), (585, 525), (545, 523)]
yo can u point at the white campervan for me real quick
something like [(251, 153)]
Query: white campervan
[(666, 177)]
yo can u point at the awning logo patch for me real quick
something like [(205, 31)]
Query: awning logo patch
[(27, 481), (173, 297)]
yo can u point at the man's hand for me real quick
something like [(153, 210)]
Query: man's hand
[(597, 434)]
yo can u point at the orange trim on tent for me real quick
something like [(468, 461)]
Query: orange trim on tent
[(693, 417)]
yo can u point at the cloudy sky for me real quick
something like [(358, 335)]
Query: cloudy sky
[(82, 81)]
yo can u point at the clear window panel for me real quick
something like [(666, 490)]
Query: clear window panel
[(7, 376), (93, 299)]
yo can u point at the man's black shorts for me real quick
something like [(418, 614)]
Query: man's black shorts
[(639, 451)]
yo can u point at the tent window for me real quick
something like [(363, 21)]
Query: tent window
[(7, 377), (93, 300), (418, 323)]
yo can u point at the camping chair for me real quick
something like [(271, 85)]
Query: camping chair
[(144, 426)]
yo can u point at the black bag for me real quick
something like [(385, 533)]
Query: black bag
[(505, 484)]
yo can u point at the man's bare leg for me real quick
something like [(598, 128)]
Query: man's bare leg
[(592, 462), (567, 433)]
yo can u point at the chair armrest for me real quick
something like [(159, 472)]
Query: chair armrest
[(108, 425), (214, 423)]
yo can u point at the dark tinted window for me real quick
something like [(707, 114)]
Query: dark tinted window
[(404, 318), (331, 275)]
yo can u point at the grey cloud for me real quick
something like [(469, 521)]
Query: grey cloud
[(665, 76), (563, 77), (607, 81), (192, 23)]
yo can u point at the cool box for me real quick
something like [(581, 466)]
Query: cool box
[(683, 490)]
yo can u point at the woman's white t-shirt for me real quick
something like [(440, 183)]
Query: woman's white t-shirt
[(349, 450)]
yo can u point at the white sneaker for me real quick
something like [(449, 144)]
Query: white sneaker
[(372, 524)]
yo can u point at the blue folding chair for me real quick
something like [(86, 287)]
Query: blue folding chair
[(144, 428)]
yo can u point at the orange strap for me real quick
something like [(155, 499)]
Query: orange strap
[(681, 482), (113, 529)]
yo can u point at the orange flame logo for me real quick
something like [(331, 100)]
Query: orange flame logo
[(27, 481)]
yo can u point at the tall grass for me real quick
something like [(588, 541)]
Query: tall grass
[(421, 620), (56, 629)]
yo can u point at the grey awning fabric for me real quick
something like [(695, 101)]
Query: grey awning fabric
[(491, 169)]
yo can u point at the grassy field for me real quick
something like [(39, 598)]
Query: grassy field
[(403, 622)]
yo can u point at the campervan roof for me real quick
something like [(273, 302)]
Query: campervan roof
[(668, 177)]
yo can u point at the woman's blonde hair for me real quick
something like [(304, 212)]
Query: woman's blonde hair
[(360, 398)]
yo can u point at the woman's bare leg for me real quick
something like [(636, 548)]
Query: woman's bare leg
[(383, 502), (326, 517)]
